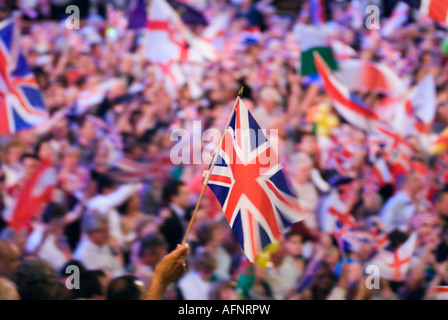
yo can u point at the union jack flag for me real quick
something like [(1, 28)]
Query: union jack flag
[(21, 104), (249, 182)]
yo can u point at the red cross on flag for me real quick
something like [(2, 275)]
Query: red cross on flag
[(395, 265)]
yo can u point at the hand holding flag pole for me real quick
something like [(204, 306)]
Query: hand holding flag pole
[(212, 165)]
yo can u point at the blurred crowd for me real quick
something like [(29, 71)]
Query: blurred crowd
[(121, 204)]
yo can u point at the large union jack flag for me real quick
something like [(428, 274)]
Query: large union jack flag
[(249, 182), (21, 104)]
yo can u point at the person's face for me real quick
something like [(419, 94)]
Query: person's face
[(87, 131), (294, 245), (153, 258), (100, 237), (29, 166), (308, 145), (10, 259), (442, 205), (181, 199), (415, 183), (134, 202), (70, 161), (228, 294), (303, 173), (46, 152), (13, 155), (56, 227)]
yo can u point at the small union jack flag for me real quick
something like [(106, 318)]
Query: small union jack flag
[(21, 104), (249, 182)]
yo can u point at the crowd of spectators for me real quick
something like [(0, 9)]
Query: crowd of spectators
[(121, 205)]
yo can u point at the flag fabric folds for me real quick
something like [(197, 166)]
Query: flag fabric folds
[(21, 103), (435, 9), (31, 199), (314, 39), (352, 108), (251, 187), (395, 265)]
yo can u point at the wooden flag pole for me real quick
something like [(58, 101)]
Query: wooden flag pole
[(208, 172)]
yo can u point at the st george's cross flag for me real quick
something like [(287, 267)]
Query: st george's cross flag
[(395, 265), (250, 185), (21, 103)]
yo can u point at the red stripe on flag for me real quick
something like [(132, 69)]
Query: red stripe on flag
[(219, 178), (4, 124), (438, 10), (373, 77), (157, 25)]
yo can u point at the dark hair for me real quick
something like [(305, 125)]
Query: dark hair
[(124, 288), (150, 242), (171, 189), (53, 211), (89, 285), (205, 231), (29, 155), (105, 182), (72, 262), (37, 280)]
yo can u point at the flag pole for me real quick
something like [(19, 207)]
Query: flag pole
[(212, 165)]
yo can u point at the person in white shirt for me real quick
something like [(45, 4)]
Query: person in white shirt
[(196, 283), (399, 209), (46, 241), (94, 251), (110, 197)]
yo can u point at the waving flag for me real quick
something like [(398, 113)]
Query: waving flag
[(398, 18), (21, 104), (314, 39), (36, 192), (348, 105), (251, 187), (435, 9), (395, 265), (367, 76)]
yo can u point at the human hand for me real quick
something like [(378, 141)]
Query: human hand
[(172, 266)]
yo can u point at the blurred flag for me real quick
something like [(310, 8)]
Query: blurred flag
[(189, 15), (334, 210), (250, 185), (435, 9), (397, 19), (170, 43), (21, 103), (36, 192), (395, 265), (137, 14), (368, 76), (342, 51), (349, 106), (317, 11), (314, 39)]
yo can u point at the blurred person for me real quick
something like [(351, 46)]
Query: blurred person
[(37, 280), (398, 209), (110, 196), (268, 106), (176, 197), (8, 290), (223, 290), (196, 283), (90, 286), (211, 237), (152, 248), (94, 250), (130, 216), (441, 207), (294, 246), (72, 177), (126, 287), (300, 170), (17, 238), (281, 274), (47, 239), (9, 258)]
